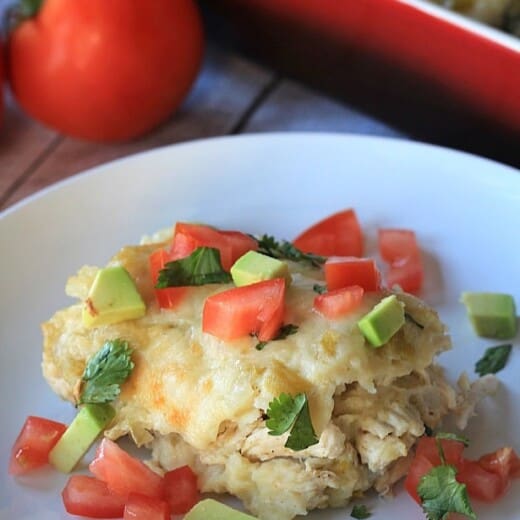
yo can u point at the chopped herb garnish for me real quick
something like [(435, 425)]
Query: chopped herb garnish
[(360, 512), (452, 437), (285, 330), (287, 413), (202, 267), (439, 490), (320, 289), (409, 317), (284, 250), (441, 494), (494, 360), (105, 372)]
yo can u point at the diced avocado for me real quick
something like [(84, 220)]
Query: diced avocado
[(383, 321), (90, 421), (493, 315), (209, 509), (255, 267), (112, 298)]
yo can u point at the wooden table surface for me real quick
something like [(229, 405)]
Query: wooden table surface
[(232, 95)]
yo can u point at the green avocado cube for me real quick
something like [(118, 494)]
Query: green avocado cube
[(209, 509), (493, 315), (112, 298), (383, 321), (90, 421), (255, 267)]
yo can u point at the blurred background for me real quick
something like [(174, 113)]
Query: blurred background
[(375, 68)]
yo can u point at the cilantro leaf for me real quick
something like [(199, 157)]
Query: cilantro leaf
[(106, 370), (285, 330), (442, 494), (320, 289), (360, 512), (287, 413), (203, 266), (269, 246), (452, 437), (494, 360)]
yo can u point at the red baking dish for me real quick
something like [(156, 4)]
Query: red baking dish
[(475, 66)]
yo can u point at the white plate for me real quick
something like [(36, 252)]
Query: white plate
[(465, 210)]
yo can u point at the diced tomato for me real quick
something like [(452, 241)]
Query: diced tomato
[(180, 489), (481, 484), (453, 450), (408, 275), (337, 235), (397, 245), (188, 237), (504, 462), (240, 244), (427, 457), (169, 297), (33, 444), (231, 244), (123, 473), (486, 479), (335, 304), (88, 496), (399, 248), (141, 507), (252, 309), (419, 467), (343, 272)]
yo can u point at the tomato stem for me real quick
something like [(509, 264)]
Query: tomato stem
[(29, 8)]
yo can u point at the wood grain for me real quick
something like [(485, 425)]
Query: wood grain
[(225, 89), (22, 143)]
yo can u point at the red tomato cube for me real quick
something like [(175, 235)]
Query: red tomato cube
[(123, 473), (33, 444), (231, 244), (399, 248), (343, 272), (337, 235), (397, 245), (180, 490), (481, 484), (88, 496), (338, 303), (252, 309), (169, 297), (141, 507), (407, 275)]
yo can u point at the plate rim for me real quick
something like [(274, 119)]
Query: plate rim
[(99, 169)]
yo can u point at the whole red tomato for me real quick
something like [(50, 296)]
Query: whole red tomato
[(105, 70)]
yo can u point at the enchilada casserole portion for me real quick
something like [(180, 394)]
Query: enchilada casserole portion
[(196, 399)]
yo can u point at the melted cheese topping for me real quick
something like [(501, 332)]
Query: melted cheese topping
[(199, 400)]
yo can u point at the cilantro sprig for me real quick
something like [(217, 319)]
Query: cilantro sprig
[(202, 267), (320, 289), (360, 511), (440, 492), (493, 360), (105, 372), (287, 413), (452, 437), (284, 250), (284, 332)]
